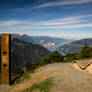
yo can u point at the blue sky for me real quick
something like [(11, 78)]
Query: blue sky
[(57, 18)]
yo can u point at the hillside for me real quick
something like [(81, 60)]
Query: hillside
[(75, 46), (24, 54)]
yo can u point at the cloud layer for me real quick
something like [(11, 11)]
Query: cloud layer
[(12, 22), (63, 3), (60, 23)]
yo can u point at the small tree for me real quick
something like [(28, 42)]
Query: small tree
[(54, 57), (70, 58), (86, 52)]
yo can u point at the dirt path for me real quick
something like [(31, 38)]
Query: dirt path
[(35, 78), (66, 79)]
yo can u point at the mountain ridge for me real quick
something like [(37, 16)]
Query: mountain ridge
[(75, 46)]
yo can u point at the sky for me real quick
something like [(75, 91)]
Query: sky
[(57, 18)]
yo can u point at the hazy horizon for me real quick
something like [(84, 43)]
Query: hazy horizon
[(46, 36)]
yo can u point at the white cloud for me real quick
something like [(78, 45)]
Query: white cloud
[(61, 23), (12, 22), (54, 3), (72, 26), (64, 21), (62, 3)]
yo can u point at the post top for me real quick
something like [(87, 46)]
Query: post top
[(5, 34)]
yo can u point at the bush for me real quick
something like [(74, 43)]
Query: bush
[(86, 52), (53, 57), (70, 57)]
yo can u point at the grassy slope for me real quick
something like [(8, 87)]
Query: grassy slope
[(41, 86)]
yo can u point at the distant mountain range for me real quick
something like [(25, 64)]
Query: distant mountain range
[(51, 43), (23, 37), (75, 46), (47, 39), (24, 54)]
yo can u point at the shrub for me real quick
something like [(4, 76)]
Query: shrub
[(86, 52), (54, 57), (70, 57)]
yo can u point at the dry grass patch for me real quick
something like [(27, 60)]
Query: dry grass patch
[(41, 86)]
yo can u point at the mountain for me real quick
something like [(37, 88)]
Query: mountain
[(24, 54), (51, 43), (23, 37), (75, 46), (47, 39)]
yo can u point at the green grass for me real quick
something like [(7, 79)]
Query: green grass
[(42, 86), (16, 79), (21, 78)]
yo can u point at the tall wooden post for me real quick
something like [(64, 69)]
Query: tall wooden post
[(5, 58)]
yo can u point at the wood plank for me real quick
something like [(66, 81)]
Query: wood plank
[(5, 58)]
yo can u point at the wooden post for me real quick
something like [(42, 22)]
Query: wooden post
[(5, 58)]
